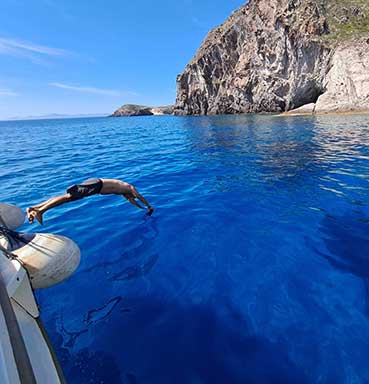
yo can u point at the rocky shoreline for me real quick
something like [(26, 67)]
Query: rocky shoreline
[(296, 112)]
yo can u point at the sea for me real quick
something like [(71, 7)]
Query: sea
[(254, 268)]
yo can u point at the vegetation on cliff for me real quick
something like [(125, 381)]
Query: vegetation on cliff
[(347, 18)]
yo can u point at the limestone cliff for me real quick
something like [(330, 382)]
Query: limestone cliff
[(277, 55), (347, 81)]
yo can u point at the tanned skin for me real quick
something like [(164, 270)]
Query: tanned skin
[(109, 187)]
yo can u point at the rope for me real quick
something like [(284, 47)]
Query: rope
[(11, 236), (8, 254), (12, 256), (2, 222)]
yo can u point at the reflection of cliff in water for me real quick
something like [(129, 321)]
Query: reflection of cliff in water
[(277, 148), (256, 148), (345, 136), (214, 134)]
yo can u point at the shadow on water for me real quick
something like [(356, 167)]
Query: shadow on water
[(137, 260), (191, 344), (98, 314), (346, 239)]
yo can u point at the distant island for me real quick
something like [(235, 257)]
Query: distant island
[(142, 110), (57, 116)]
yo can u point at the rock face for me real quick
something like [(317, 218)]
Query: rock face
[(132, 110), (142, 110), (347, 80), (166, 110), (278, 55)]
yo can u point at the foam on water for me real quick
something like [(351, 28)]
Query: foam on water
[(253, 269)]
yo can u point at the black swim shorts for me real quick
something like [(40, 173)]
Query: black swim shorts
[(88, 188)]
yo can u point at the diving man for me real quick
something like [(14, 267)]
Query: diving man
[(88, 188)]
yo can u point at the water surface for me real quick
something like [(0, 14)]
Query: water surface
[(253, 269)]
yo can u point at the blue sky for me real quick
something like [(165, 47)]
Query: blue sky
[(86, 57)]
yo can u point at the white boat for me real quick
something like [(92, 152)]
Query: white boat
[(27, 262)]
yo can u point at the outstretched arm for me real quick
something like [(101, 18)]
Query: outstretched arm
[(140, 197), (132, 200)]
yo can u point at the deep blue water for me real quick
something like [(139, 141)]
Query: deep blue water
[(253, 269)]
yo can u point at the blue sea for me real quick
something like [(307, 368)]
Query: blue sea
[(253, 269)]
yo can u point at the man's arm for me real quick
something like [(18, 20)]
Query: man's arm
[(132, 200), (140, 197)]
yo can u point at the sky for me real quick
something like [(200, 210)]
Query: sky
[(90, 57)]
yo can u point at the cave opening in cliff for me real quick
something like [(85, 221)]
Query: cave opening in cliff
[(310, 94)]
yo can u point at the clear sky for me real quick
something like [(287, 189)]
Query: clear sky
[(87, 57)]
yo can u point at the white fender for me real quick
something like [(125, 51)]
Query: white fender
[(49, 259), (11, 216)]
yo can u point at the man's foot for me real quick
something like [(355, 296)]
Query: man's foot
[(32, 214), (151, 211)]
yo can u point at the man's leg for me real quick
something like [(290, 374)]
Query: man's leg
[(43, 203), (37, 211)]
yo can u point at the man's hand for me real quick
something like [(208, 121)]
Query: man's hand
[(151, 211)]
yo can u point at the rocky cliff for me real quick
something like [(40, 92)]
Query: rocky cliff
[(142, 110), (278, 55)]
